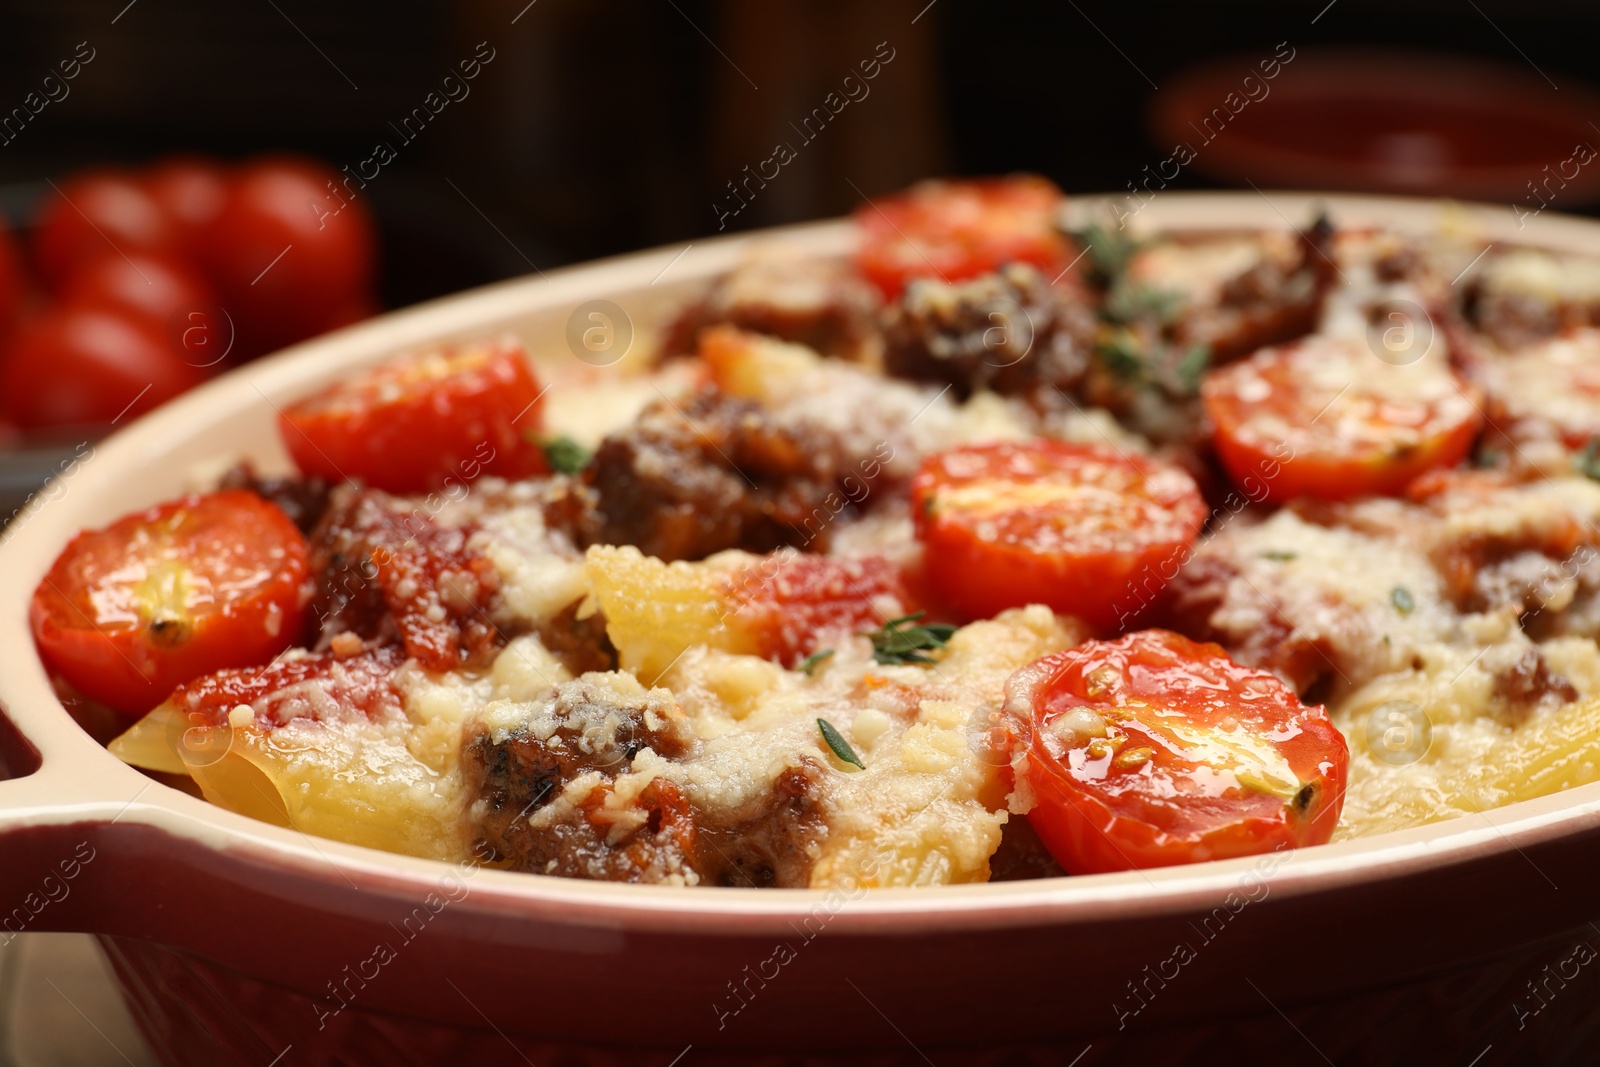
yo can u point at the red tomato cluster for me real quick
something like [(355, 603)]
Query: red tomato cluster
[(149, 281)]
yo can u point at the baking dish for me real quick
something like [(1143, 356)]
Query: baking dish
[(238, 941)]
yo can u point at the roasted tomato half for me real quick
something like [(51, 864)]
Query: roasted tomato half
[(950, 230), (1086, 530), (1325, 417), (166, 595), (1153, 750), (419, 423)]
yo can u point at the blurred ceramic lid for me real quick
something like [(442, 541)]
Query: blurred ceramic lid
[(1385, 120)]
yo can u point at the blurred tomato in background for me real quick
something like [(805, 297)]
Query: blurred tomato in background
[(153, 279)]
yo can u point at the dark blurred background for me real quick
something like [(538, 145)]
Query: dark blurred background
[(602, 126)]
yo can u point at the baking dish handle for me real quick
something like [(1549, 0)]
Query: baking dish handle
[(62, 802)]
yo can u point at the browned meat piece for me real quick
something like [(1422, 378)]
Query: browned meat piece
[(1270, 303), (531, 816), (586, 727), (1529, 683), (1021, 854), (1011, 332), (1490, 563), (1207, 583), (302, 499), (820, 303), (771, 847), (581, 645), (684, 481), (386, 570)]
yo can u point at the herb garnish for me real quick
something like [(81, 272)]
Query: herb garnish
[(899, 643), (1588, 463), (1192, 367), (1108, 252), (809, 664), (1129, 302), (838, 744), (565, 455), (1122, 355), (1403, 602), (1278, 555)]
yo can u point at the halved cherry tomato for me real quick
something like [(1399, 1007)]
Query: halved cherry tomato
[(96, 213), (952, 230), (796, 603), (1324, 417), (163, 596), (153, 288), (76, 365), (1086, 530), (415, 424), (1153, 750)]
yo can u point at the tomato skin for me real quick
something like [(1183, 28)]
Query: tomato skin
[(797, 602), (287, 261), (1172, 808), (12, 279), (191, 191), (423, 422), (953, 230), (107, 618), (1117, 530), (78, 365), (96, 213), (139, 284), (1281, 433)]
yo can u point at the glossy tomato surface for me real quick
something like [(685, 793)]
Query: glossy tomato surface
[(1086, 530), (95, 214), (1326, 418), (152, 288), (163, 596), (951, 230), (91, 364), (1154, 750), (423, 422)]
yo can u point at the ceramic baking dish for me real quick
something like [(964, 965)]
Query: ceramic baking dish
[(237, 941)]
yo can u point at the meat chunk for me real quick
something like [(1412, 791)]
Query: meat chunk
[(1522, 296), (1209, 596), (579, 785), (685, 481), (1273, 301), (771, 846), (1010, 332), (545, 781), (386, 570), (302, 499), (820, 303), (1527, 684)]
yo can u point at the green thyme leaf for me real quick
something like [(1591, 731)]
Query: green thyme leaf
[(1108, 252), (1278, 555), (1192, 367), (899, 642), (1489, 457), (565, 455), (1588, 462), (838, 744), (1403, 601), (1135, 302), (1123, 355), (809, 664)]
